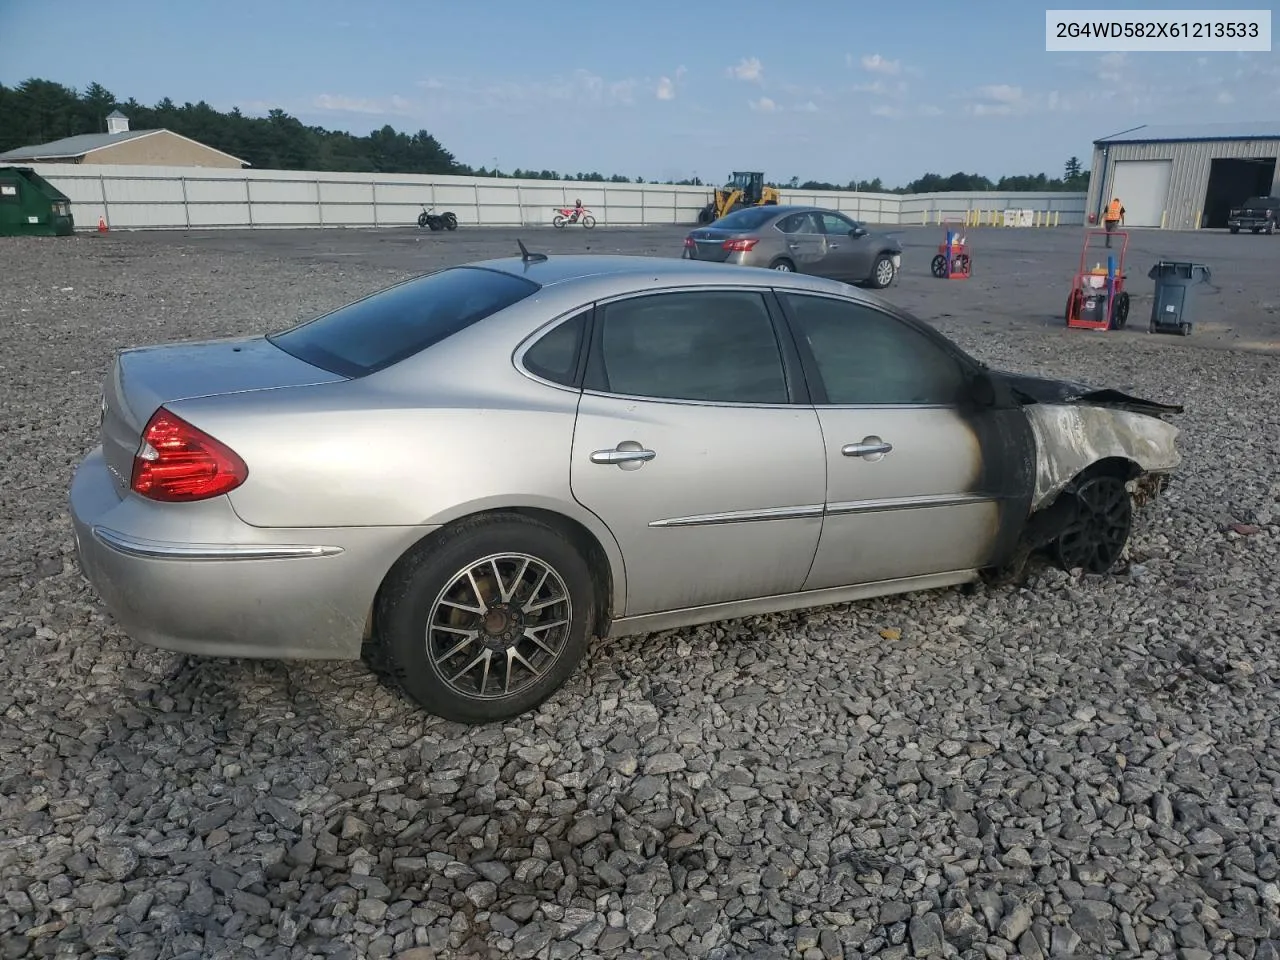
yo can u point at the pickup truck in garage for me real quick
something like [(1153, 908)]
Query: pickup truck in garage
[(1259, 215)]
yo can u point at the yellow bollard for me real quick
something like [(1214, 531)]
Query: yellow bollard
[(1036, 221), (1197, 223), (1055, 218), (1163, 214)]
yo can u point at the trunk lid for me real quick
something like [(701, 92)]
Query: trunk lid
[(144, 378), (708, 244)]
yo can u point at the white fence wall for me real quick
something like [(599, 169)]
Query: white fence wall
[(151, 198)]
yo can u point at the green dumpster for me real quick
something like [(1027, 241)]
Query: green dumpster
[(31, 206)]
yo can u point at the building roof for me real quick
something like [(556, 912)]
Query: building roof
[(1154, 133), (117, 114), (70, 147)]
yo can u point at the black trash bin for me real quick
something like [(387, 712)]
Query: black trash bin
[(1172, 307)]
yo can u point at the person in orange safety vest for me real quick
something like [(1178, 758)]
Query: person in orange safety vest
[(1114, 215)]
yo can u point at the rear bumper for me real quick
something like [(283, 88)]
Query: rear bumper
[(196, 579)]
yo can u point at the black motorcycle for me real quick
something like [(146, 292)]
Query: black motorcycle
[(437, 221)]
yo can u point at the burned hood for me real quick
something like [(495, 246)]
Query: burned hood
[(1028, 389)]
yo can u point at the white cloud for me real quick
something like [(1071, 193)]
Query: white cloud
[(885, 110), (748, 68), (874, 63), (764, 105), (431, 83), (339, 103), (1224, 97), (666, 89), (1111, 67), (1001, 93), (807, 107)]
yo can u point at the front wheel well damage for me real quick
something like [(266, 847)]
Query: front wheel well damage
[(1049, 520)]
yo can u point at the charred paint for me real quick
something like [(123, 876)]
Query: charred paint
[(1037, 434), (1008, 474), (1072, 437)]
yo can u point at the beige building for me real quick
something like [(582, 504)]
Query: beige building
[(121, 145)]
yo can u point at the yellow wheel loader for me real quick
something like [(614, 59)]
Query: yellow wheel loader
[(742, 190)]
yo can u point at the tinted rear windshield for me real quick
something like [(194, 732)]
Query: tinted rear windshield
[(752, 218), (392, 324), (1262, 202)]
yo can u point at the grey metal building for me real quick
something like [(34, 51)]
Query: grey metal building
[(1184, 176)]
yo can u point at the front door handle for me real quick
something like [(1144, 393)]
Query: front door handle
[(871, 448), (628, 455)]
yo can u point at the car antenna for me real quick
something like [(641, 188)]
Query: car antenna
[(528, 257)]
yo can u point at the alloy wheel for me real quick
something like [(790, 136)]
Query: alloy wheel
[(499, 625), (1097, 536)]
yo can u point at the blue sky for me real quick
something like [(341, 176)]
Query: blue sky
[(823, 90)]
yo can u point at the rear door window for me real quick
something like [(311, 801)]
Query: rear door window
[(395, 323)]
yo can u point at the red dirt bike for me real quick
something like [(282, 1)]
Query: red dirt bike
[(566, 215)]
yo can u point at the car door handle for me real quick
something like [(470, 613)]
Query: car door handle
[(618, 455), (833, 246), (869, 447)]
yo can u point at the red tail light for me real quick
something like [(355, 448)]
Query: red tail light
[(739, 246), (688, 242), (178, 463)]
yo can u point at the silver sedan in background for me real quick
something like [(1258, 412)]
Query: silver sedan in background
[(470, 474), (812, 240)]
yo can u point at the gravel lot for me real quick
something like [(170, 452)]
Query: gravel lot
[(1078, 767)]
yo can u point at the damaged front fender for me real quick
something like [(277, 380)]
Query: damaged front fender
[(1071, 437)]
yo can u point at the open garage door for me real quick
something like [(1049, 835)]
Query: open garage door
[(1143, 188)]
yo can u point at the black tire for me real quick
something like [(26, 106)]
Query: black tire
[(876, 280), (558, 221), (1235, 229), (1073, 305), (588, 221), (1184, 329), (707, 214), (1121, 314), (450, 222), (410, 597), (422, 220), (939, 266), (783, 265), (1095, 540)]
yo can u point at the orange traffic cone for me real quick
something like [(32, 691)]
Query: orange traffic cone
[(102, 225)]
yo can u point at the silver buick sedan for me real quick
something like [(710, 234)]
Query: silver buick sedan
[(468, 475)]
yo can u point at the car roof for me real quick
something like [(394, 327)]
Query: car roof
[(572, 268)]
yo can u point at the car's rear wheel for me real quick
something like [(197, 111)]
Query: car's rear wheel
[(783, 264), (882, 272), (1097, 536), (489, 620)]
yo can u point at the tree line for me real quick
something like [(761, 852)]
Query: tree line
[(39, 111)]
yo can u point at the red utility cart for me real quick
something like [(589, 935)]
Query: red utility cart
[(952, 261), (1098, 300)]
